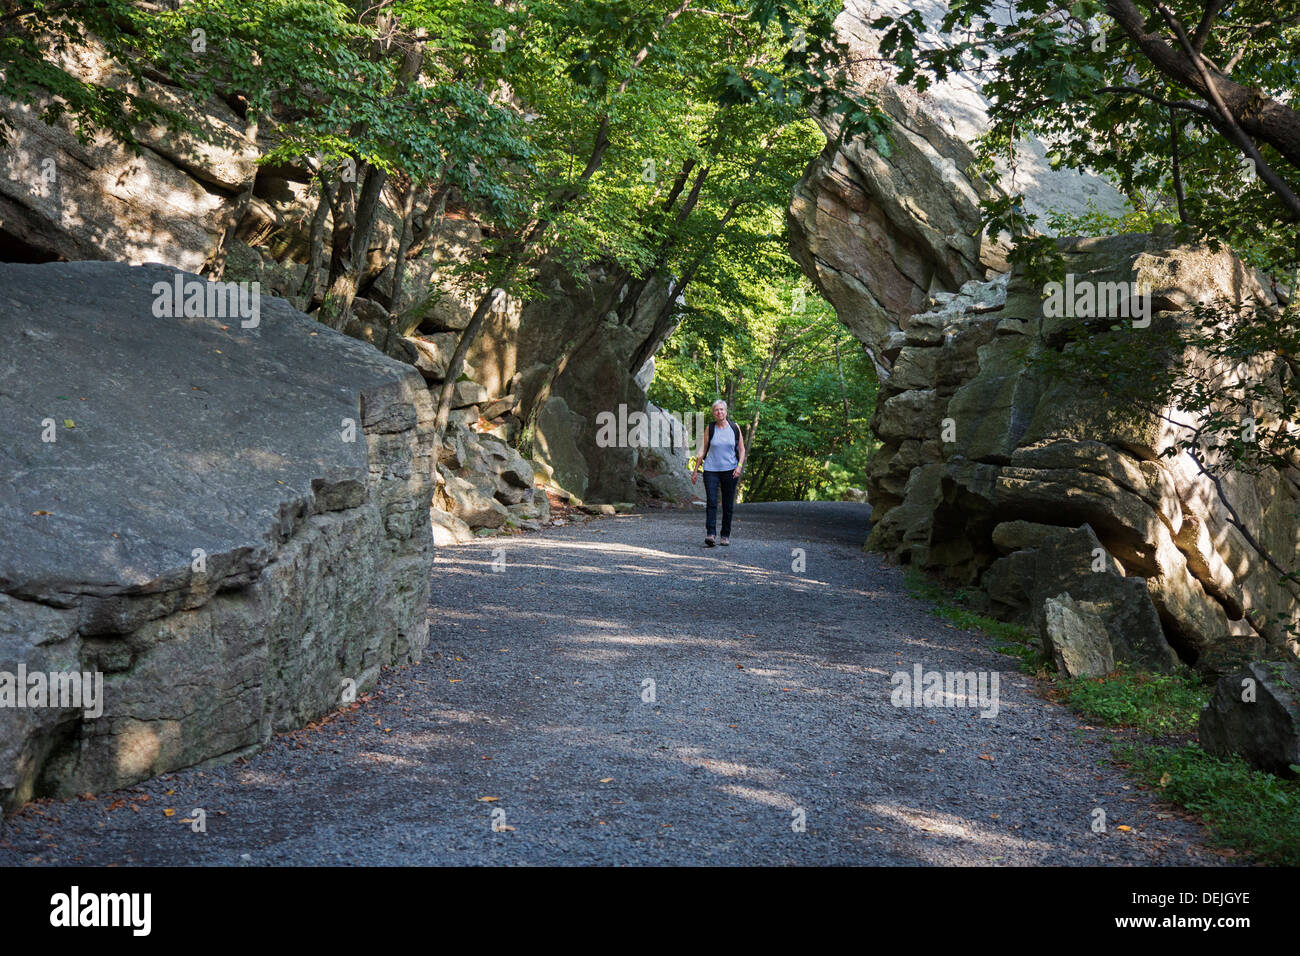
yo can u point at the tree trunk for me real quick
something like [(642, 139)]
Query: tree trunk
[(433, 217), (348, 258), (844, 392), (315, 245), (457, 363), (344, 211)]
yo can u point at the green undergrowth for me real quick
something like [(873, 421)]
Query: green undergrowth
[(952, 605), (1244, 809), (1155, 704)]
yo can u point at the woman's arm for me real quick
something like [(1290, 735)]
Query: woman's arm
[(740, 453)]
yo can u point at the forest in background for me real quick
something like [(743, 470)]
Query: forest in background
[(658, 141)]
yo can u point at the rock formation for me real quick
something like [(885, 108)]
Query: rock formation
[(991, 473), (171, 202), (226, 518)]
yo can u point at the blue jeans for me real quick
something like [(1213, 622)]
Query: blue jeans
[(712, 481)]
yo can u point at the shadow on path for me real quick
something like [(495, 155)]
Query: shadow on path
[(614, 693)]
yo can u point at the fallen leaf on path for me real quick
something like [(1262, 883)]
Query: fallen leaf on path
[(606, 779), (169, 812), (985, 757), (488, 799), (1124, 827)]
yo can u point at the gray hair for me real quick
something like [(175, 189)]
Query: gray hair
[(717, 403)]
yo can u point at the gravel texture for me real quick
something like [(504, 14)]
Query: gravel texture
[(772, 695)]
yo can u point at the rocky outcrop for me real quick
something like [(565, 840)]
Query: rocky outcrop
[(1063, 509), (988, 461), (205, 205), (510, 358), (881, 232), (172, 201), (226, 518)]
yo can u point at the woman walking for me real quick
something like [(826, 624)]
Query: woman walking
[(721, 455)]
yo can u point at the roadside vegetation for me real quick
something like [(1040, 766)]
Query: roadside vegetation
[(1154, 719)]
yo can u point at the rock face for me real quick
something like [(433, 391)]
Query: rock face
[(599, 378), (880, 234), (172, 202), (1256, 713), (208, 206), (992, 473), (988, 462), (228, 523)]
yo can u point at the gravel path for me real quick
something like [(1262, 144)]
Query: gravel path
[(771, 703)]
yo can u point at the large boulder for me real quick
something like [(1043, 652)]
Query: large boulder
[(1255, 713), (226, 518)]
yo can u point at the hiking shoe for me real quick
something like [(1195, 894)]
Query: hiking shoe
[(708, 541), (725, 541)]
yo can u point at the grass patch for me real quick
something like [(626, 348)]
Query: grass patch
[(1245, 809), (951, 605), (1156, 704)]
